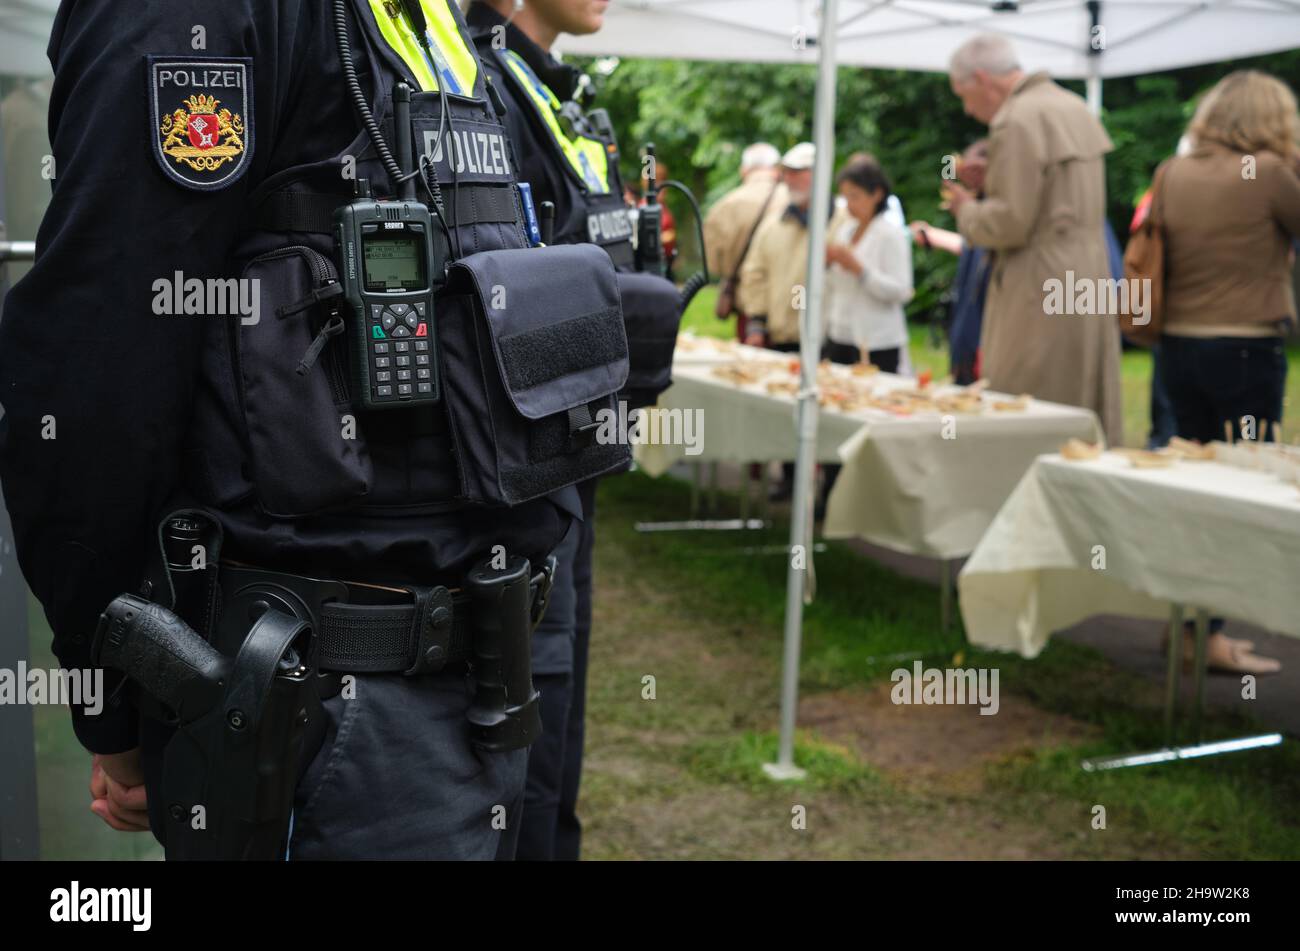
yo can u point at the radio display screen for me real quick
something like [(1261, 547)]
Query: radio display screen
[(394, 264)]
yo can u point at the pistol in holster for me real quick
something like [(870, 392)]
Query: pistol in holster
[(246, 707)]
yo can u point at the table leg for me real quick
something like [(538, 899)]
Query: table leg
[(1174, 669), (745, 484), (1202, 635), (713, 488), (696, 477), (763, 489), (1171, 753)]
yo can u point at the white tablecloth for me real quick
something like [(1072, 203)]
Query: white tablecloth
[(904, 485), (1201, 534)]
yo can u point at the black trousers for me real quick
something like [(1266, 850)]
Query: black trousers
[(848, 353), (380, 788), (1164, 426), (1213, 383), (1217, 380), (550, 830)]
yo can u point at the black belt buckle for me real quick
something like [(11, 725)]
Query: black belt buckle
[(430, 630)]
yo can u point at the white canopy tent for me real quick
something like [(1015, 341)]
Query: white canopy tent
[(1070, 39), (1140, 36)]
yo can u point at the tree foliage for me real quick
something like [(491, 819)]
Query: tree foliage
[(700, 115)]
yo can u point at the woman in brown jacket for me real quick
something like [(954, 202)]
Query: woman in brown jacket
[(1231, 210)]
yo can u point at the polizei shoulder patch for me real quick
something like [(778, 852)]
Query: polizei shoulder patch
[(201, 118)]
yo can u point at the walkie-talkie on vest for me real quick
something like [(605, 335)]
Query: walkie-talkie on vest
[(393, 259), (649, 223)]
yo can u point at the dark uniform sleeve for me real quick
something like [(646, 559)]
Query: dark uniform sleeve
[(96, 387)]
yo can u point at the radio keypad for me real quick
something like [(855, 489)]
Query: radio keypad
[(402, 324)]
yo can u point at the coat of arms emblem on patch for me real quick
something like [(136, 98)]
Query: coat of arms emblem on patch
[(201, 135), (201, 113)]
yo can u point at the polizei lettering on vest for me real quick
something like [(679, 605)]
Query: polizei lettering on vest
[(606, 226), (479, 152)]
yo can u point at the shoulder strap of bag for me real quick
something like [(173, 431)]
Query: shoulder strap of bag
[(1154, 214), (744, 252)]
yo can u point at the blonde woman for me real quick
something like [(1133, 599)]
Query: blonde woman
[(1231, 208)]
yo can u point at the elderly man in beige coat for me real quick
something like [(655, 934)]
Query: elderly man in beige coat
[(776, 269), (733, 221), (1043, 215)]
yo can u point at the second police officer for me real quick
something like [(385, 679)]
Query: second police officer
[(569, 157), (365, 471)]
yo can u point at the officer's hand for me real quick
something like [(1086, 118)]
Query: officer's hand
[(117, 791)]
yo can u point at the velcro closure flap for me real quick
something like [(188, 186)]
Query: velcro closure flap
[(555, 323)]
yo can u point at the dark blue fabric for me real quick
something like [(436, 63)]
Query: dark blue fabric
[(379, 789), (550, 830), (553, 638), (1114, 253), (1217, 380), (969, 290), (1164, 425), (546, 769), (568, 829)]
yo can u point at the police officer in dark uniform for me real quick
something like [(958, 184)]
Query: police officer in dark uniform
[(569, 158), (181, 367)]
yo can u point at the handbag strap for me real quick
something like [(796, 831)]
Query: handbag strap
[(744, 252), (1157, 219)]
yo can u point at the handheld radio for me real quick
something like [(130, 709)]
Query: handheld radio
[(393, 260), (649, 224)]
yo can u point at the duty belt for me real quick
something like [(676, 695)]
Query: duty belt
[(364, 628)]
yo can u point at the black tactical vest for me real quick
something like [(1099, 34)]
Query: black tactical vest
[(587, 210), (531, 345)]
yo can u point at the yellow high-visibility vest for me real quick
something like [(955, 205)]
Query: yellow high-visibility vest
[(588, 157), (457, 66)]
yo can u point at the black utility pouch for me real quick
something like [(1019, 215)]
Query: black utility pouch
[(306, 453), (533, 351), (652, 314)]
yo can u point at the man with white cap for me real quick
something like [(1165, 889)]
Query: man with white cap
[(776, 269)]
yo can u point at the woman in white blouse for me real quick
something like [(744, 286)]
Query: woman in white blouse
[(870, 273), (869, 279)]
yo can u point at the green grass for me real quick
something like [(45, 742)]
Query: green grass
[(739, 760), (865, 622), (1135, 366), (680, 776)]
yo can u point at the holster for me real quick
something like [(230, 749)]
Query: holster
[(245, 722), (243, 698)]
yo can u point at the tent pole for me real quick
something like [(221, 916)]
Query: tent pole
[(809, 349), (1093, 89), (1096, 46)]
